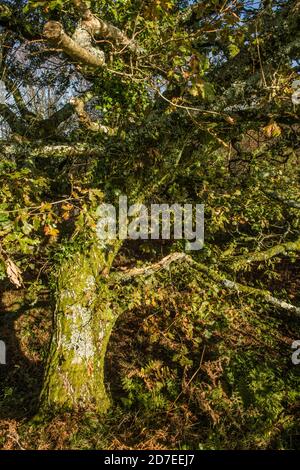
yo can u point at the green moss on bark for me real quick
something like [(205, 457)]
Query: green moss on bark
[(83, 321)]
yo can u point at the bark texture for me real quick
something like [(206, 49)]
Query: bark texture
[(81, 46), (83, 321), (88, 55)]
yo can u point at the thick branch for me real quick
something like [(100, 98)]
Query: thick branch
[(53, 31), (49, 126), (262, 294), (40, 129), (281, 249), (15, 123), (17, 95), (99, 28), (287, 202), (34, 127), (214, 275), (80, 46), (86, 121), (154, 268), (50, 151)]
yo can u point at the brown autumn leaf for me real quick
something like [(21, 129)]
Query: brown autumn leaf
[(66, 215), (230, 120), (67, 207), (14, 273)]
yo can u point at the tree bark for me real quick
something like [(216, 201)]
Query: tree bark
[(91, 56), (15, 123), (79, 149), (83, 321), (80, 47)]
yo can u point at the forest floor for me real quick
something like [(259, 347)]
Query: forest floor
[(26, 331)]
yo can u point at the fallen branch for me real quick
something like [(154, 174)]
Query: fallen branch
[(153, 268), (287, 202), (281, 249), (211, 273)]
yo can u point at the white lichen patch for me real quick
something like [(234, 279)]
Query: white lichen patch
[(68, 294), (90, 284), (79, 341), (101, 335)]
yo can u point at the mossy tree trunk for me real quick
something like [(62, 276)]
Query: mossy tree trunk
[(83, 321)]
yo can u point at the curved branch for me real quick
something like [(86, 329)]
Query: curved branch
[(153, 268), (262, 294), (214, 275), (281, 249), (97, 27), (53, 31), (86, 121), (80, 46)]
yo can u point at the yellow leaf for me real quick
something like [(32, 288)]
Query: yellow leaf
[(51, 231), (272, 130), (194, 91), (46, 206), (67, 207)]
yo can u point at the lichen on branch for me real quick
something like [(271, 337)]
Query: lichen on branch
[(80, 46)]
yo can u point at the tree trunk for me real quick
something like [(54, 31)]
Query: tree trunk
[(83, 320)]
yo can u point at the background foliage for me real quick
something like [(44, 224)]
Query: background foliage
[(203, 113)]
